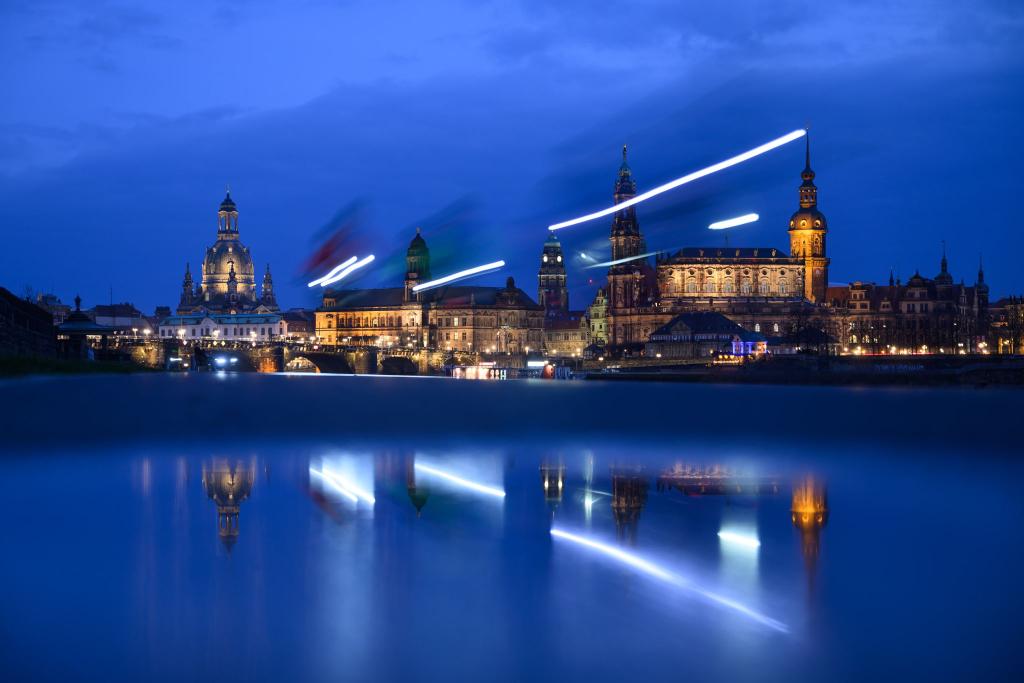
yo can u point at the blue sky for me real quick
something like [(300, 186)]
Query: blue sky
[(123, 122)]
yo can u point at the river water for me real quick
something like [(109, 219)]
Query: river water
[(405, 540)]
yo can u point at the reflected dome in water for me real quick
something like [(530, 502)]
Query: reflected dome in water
[(227, 486)]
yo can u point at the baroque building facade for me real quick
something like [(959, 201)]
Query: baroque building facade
[(228, 284), (448, 318)]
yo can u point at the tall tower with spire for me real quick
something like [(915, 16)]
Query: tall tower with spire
[(631, 285), (807, 232), (187, 292), (552, 292), (267, 298)]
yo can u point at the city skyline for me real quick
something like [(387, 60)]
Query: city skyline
[(516, 147)]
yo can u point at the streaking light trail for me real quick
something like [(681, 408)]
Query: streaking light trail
[(689, 178), (665, 575), (341, 271), (469, 272), (345, 487), (334, 271), (623, 260), (733, 222), (459, 481), (740, 539)]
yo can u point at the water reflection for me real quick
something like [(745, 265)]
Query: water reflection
[(227, 486), (464, 560)]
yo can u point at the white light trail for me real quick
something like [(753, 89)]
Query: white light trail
[(616, 262), (689, 178), (335, 486), (733, 222), (459, 481), (334, 271), (740, 539), (347, 271), (344, 486), (459, 275), (654, 570)]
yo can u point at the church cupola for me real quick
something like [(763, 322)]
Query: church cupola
[(227, 216), (552, 292)]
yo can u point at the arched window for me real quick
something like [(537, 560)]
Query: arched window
[(709, 286), (729, 287), (691, 286), (782, 286), (762, 286), (745, 287)]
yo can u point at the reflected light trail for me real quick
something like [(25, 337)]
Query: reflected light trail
[(344, 486), (665, 575), (740, 539), (334, 271), (347, 271), (469, 272), (733, 222), (335, 486), (459, 481), (616, 262), (689, 178)]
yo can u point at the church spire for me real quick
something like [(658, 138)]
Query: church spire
[(808, 191)]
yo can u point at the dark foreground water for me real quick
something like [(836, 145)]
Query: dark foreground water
[(409, 550)]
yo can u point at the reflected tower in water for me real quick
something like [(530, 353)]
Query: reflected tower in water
[(418, 495), (810, 514), (629, 494), (227, 486), (552, 477)]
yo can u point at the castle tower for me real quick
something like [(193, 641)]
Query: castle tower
[(417, 265), (552, 292), (807, 230)]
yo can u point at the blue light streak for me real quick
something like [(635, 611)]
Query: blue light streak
[(459, 481), (733, 222), (663, 574), (469, 272), (689, 178)]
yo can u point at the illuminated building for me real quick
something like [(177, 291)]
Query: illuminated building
[(762, 289), (552, 292), (227, 486), (244, 327), (923, 315), (703, 334), (449, 318), (228, 278)]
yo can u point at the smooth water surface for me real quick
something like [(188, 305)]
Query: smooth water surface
[(507, 558)]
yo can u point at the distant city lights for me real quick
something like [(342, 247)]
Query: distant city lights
[(658, 572), (689, 178), (469, 272), (459, 481), (733, 222)]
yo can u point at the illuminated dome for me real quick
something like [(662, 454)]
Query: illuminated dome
[(229, 280)]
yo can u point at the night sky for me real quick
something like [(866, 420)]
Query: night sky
[(122, 123)]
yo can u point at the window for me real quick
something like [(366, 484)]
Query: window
[(762, 287), (745, 287), (782, 287), (757, 327), (691, 286), (463, 336), (709, 286), (775, 327)]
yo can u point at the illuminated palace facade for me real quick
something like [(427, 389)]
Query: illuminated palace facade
[(780, 295), (449, 318)]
